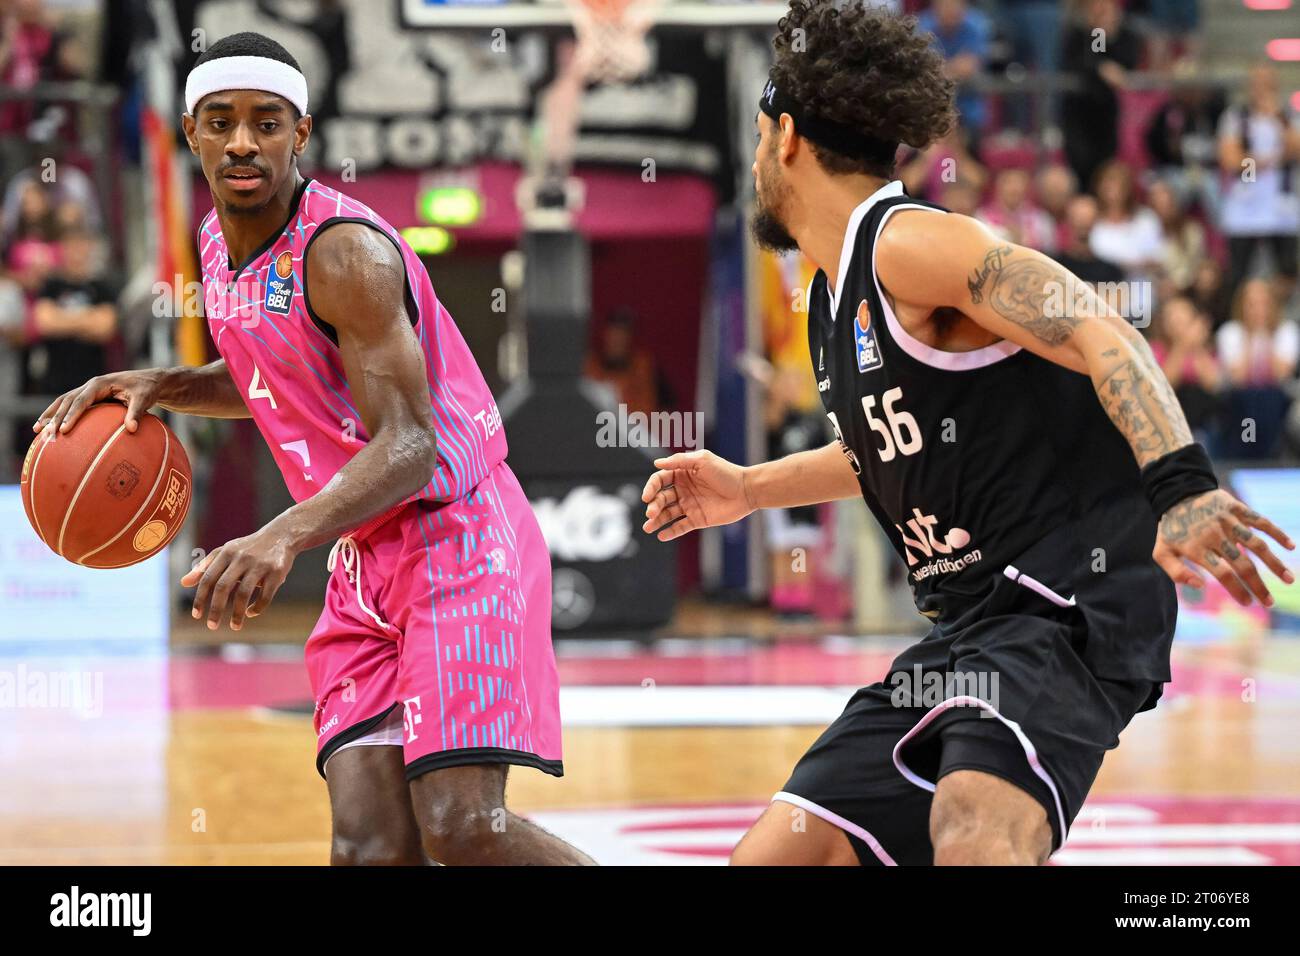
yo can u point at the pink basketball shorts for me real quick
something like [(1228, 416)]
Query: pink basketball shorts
[(436, 635)]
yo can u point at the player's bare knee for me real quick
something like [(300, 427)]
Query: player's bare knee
[(980, 846), (456, 834), (1034, 840), (986, 840), (363, 837), (1002, 846), (969, 826), (372, 850), (957, 834)]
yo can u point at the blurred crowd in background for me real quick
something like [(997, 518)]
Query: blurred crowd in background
[(1198, 208), (58, 315), (1199, 222)]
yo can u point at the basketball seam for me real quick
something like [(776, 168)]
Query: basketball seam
[(127, 564), (167, 441), (76, 496), (31, 481)]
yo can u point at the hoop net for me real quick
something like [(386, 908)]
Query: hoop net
[(611, 37), (609, 47)]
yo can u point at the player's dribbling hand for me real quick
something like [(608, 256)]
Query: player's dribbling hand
[(137, 390), (241, 576), (1213, 530), (693, 490)]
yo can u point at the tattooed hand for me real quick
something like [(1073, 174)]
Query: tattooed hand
[(1213, 530)]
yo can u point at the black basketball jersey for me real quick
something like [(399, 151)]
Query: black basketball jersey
[(979, 464)]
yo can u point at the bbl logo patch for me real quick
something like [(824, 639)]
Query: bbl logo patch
[(279, 284), (864, 337)]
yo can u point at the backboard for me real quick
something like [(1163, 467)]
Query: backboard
[(542, 14)]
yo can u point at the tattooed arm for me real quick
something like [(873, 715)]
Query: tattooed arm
[(1020, 295)]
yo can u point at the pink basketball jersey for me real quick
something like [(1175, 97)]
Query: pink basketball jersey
[(287, 366)]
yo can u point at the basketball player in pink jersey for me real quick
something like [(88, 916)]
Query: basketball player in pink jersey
[(431, 663)]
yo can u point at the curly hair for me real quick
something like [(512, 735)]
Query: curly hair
[(866, 68)]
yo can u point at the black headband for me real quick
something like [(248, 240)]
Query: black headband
[(837, 137)]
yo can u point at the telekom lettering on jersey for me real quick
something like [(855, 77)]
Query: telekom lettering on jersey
[(287, 364)]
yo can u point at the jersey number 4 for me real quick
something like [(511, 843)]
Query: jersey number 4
[(899, 430)]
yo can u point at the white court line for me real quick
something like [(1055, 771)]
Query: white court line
[(1115, 813), (1187, 833), (1162, 856), (654, 706)]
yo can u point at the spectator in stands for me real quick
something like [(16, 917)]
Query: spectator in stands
[(1173, 34), (927, 173), (70, 216), (26, 45), (1076, 254), (1259, 147), (792, 428), (1257, 347), (1101, 62), (960, 197), (1184, 347), (1126, 232), (1259, 350), (69, 184), (962, 35), (1034, 29), (1210, 292), (32, 49), (1183, 237), (75, 317), (627, 370), (1182, 142), (1054, 187), (31, 250), (1012, 214)]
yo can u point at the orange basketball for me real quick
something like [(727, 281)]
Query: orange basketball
[(103, 497)]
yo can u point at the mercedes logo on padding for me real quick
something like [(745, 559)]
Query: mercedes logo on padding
[(573, 598)]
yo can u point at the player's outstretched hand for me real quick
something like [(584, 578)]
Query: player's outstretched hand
[(1214, 530), (693, 490), (137, 390), (240, 577)]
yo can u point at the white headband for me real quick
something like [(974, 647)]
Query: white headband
[(246, 73)]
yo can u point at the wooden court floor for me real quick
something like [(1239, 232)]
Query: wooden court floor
[(237, 785)]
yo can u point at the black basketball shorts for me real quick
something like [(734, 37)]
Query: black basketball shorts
[(1005, 691)]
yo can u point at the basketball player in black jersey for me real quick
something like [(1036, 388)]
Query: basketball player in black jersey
[(1020, 448)]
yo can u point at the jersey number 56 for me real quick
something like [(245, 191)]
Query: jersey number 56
[(899, 430)]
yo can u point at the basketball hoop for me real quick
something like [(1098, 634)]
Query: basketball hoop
[(611, 38), (609, 47)]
